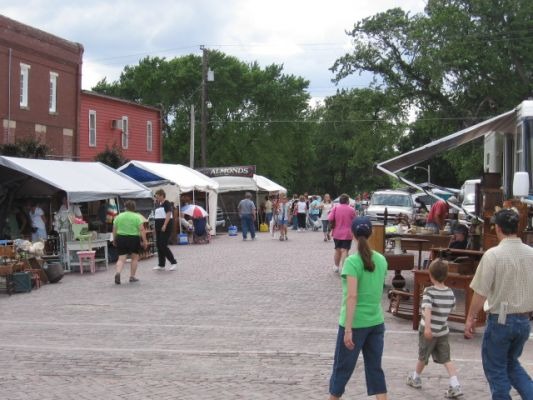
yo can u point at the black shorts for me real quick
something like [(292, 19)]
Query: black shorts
[(128, 245), (342, 244)]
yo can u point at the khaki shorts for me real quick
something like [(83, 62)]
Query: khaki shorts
[(438, 348)]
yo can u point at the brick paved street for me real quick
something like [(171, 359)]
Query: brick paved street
[(244, 320)]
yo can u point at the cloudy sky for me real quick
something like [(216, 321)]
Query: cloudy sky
[(306, 36)]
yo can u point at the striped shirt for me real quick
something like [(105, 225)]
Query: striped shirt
[(441, 302)]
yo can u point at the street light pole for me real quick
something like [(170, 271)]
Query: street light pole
[(203, 130), (428, 170)]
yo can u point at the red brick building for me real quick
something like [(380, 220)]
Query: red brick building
[(40, 83), (108, 121)]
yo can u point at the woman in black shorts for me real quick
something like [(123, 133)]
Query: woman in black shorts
[(128, 230)]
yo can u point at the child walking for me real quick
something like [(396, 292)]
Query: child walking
[(437, 303)]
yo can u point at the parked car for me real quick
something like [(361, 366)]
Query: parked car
[(467, 196), (395, 201)]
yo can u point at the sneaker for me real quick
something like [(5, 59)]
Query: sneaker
[(117, 279), (335, 269), (453, 392), (133, 279), (158, 268), (173, 267), (414, 382)]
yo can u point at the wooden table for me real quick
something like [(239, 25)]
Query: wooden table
[(432, 241), (399, 263), (454, 281)]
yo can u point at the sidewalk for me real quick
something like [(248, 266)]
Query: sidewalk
[(237, 320)]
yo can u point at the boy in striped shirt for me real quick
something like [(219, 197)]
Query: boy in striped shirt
[(437, 303)]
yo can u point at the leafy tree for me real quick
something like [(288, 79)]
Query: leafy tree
[(112, 157), (357, 128), (257, 115), (25, 148), (456, 64)]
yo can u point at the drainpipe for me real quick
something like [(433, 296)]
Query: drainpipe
[(6, 139)]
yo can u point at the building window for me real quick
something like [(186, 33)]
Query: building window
[(92, 128), (125, 132), (24, 78), (52, 106), (149, 135)]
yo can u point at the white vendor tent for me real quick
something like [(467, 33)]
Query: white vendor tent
[(175, 179), (240, 183), (82, 181), (231, 191)]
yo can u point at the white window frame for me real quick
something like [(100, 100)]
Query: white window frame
[(125, 132), (92, 128), (52, 105), (24, 84), (149, 136), (519, 148)]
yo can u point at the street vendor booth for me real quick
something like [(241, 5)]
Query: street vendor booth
[(508, 162), (176, 180), (22, 178), (233, 188)]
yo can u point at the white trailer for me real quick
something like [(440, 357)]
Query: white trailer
[(508, 146)]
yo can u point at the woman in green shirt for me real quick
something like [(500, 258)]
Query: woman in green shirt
[(361, 322), (128, 230)]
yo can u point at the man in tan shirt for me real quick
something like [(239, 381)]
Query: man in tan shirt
[(504, 278)]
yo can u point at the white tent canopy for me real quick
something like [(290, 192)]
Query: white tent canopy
[(82, 181), (240, 183), (175, 179), (266, 184)]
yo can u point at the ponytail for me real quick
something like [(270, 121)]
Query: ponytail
[(366, 253)]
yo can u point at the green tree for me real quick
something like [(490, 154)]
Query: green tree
[(112, 157), (356, 128), (456, 64), (25, 148), (257, 115)]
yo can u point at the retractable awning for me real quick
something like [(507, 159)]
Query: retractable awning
[(505, 123)]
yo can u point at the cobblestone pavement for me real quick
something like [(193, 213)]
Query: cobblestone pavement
[(243, 320)]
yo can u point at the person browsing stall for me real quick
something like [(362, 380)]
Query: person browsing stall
[(504, 278), (163, 229), (128, 237), (438, 301), (340, 218), (361, 320)]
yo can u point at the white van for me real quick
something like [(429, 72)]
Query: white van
[(467, 196)]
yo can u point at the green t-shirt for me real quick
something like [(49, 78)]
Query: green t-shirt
[(128, 223), (368, 311)]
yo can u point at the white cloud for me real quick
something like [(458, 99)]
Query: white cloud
[(305, 36)]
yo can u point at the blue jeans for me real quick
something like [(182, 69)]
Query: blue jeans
[(268, 218), (247, 223), (294, 222), (502, 346), (370, 340)]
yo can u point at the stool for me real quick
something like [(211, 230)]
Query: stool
[(89, 256)]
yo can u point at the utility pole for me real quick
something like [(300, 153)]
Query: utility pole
[(191, 149), (203, 132)]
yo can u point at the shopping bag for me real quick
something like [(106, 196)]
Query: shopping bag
[(263, 227)]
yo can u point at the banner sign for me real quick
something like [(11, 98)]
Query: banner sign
[(243, 170)]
